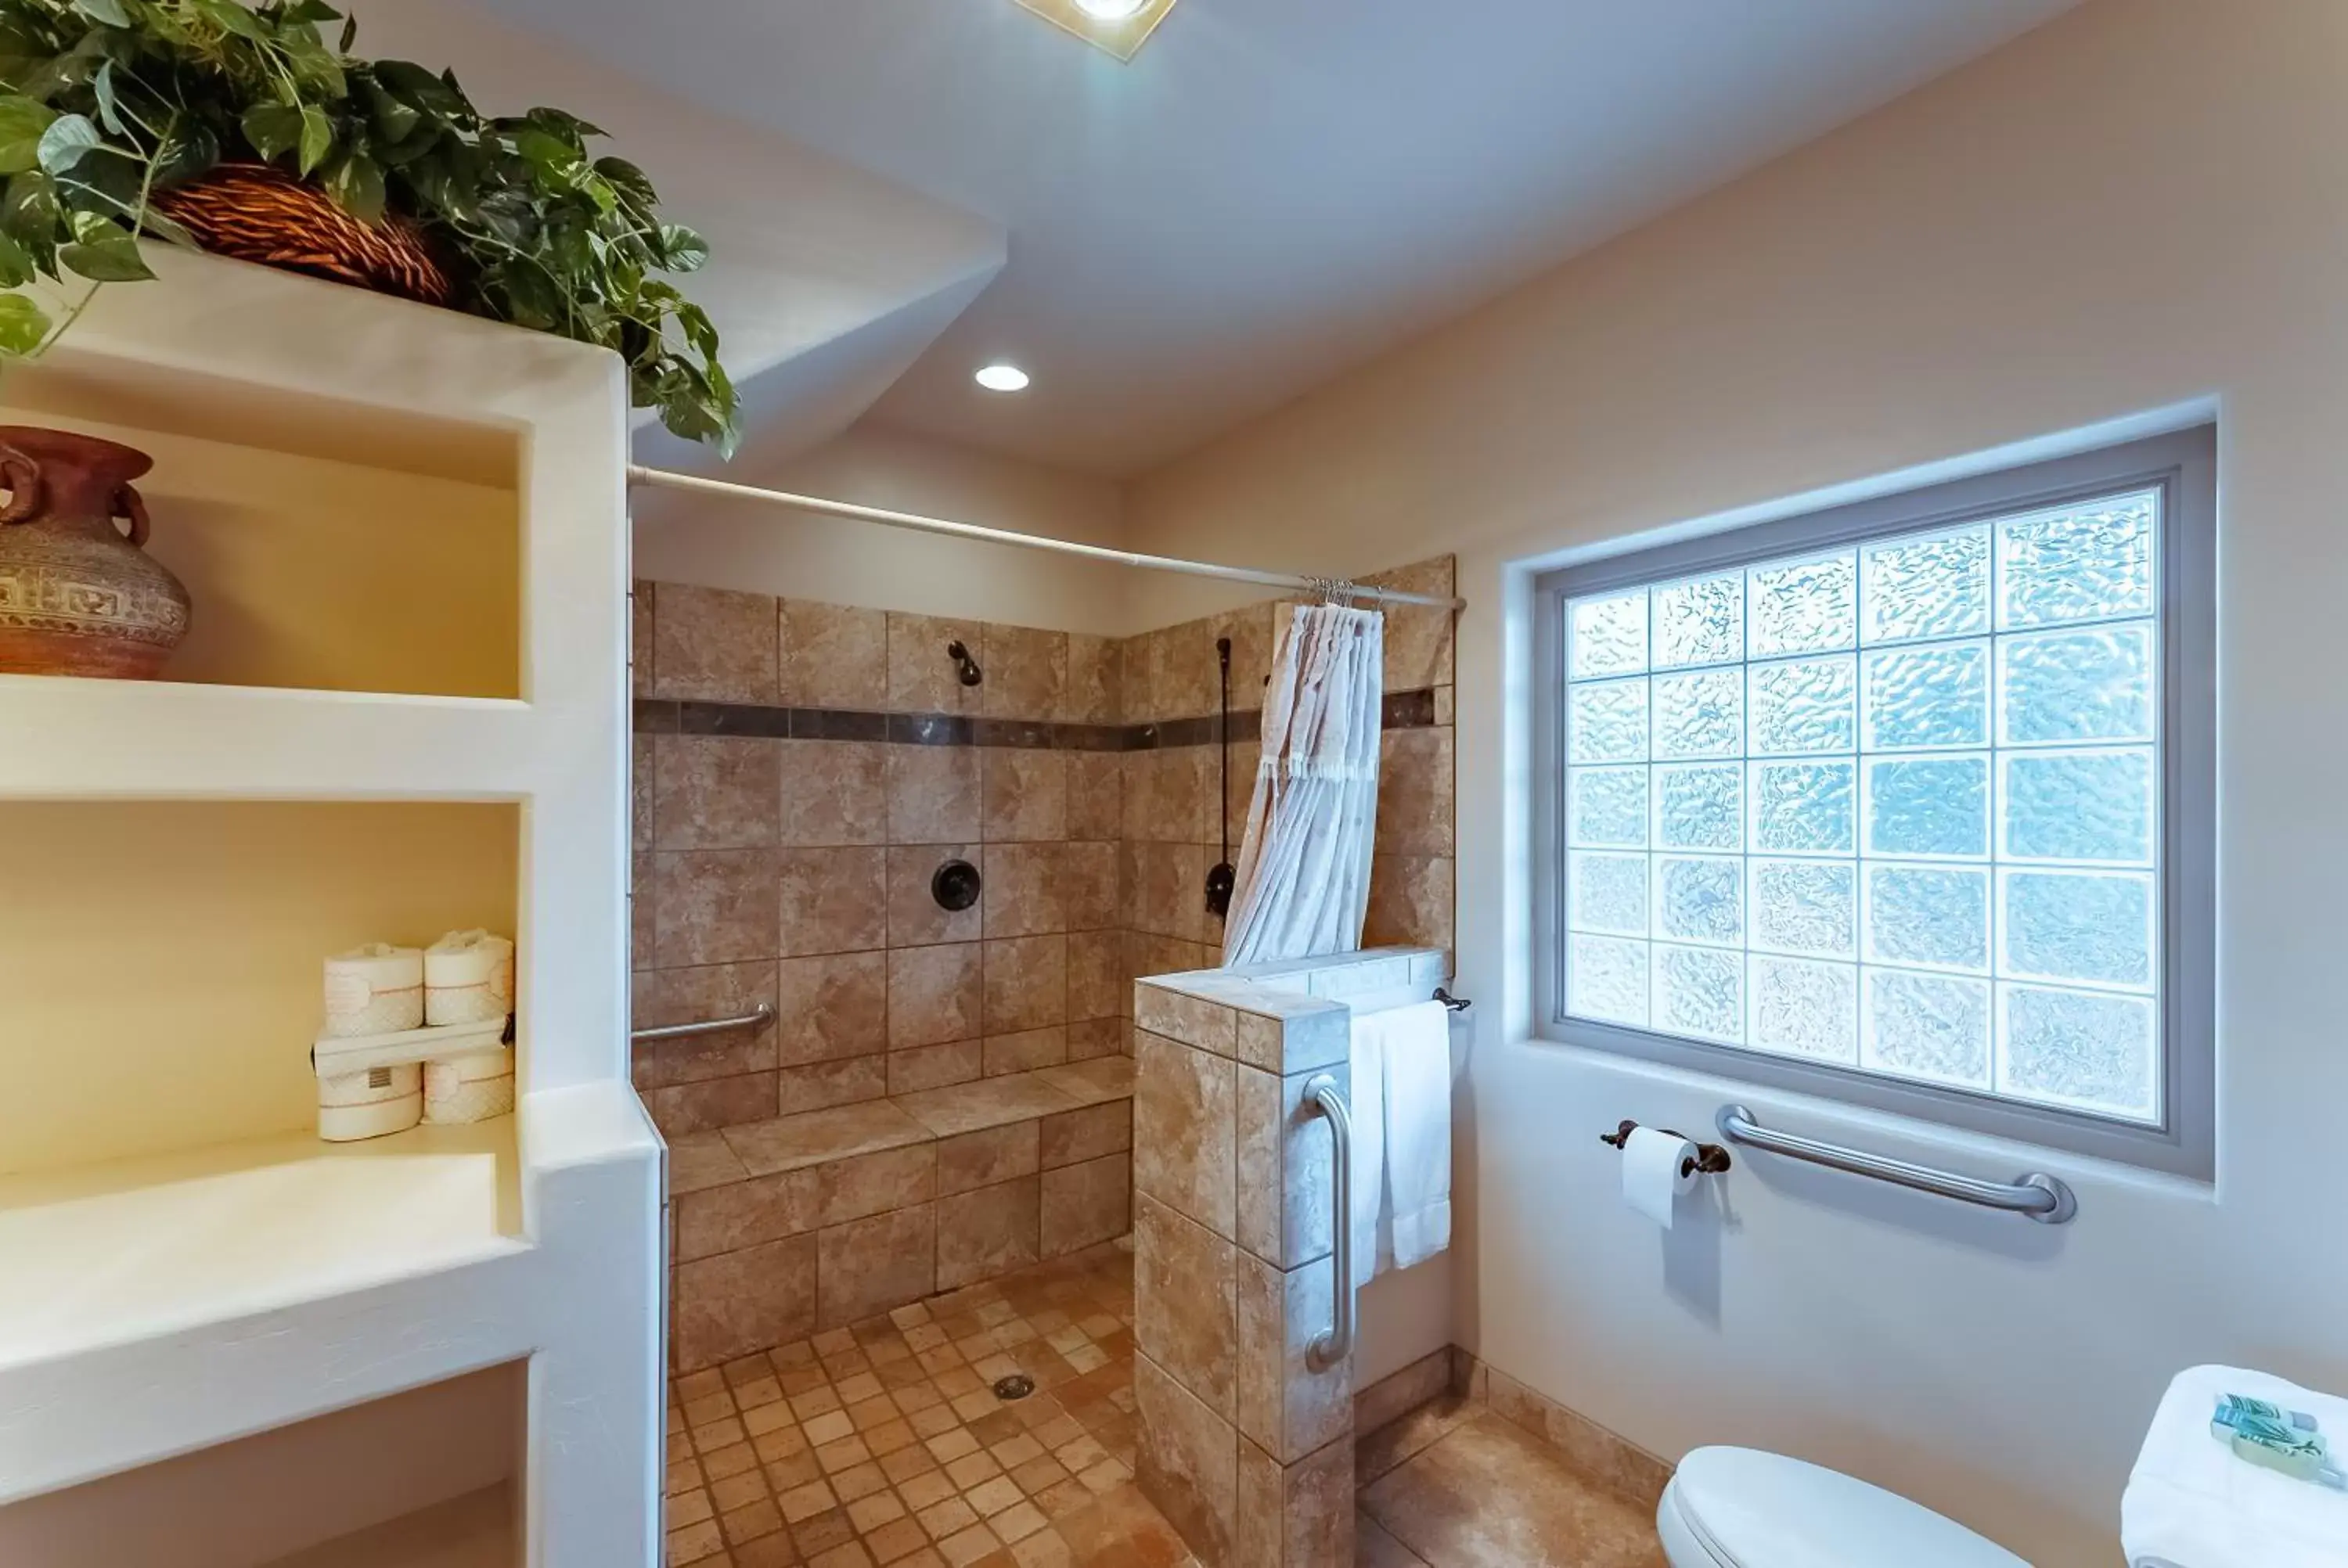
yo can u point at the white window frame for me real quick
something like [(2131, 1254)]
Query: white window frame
[(2183, 467)]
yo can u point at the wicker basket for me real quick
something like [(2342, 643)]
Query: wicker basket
[(258, 213)]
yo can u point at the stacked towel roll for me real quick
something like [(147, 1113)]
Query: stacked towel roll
[(470, 1088), (374, 989), (469, 977), (370, 1104)]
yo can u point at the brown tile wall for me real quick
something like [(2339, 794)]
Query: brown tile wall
[(796, 871), (1172, 833), (775, 866)]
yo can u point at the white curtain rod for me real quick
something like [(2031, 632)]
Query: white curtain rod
[(1328, 588)]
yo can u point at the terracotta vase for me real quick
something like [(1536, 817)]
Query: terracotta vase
[(77, 596)]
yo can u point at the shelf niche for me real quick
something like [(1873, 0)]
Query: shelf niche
[(426, 1479), (312, 563), (160, 960)]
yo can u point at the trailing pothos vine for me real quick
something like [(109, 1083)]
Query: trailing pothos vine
[(106, 103)]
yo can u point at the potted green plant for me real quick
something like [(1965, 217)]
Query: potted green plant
[(241, 130)]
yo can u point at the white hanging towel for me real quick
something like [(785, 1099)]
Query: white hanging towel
[(1372, 1239), (1402, 1137), (2191, 1503)]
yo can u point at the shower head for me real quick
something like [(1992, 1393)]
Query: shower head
[(971, 673)]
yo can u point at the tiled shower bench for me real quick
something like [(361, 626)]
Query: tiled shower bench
[(786, 1227)]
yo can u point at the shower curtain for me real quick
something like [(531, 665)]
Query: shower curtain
[(1303, 886)]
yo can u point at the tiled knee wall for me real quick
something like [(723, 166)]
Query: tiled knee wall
[(1246, 1448)]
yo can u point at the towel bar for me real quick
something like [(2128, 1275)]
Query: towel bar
[(2037, 1195), (764, 1013), (1333, 1346)]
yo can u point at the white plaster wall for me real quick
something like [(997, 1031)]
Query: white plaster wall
[(2140, 207), (261, 1497), (824, 279), (759, 548)]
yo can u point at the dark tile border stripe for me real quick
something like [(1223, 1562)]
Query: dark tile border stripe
[(661, 716)]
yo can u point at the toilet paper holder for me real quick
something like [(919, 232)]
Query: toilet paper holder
[(1711, 1159)]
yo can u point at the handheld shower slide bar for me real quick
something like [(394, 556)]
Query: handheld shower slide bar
[(1327, 588)]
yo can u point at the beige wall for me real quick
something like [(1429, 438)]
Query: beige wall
[(759, 548), (2136, 208), (306, 571), (113, 914)]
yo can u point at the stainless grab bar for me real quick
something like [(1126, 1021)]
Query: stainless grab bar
[(1333, 1346), (764, 1013), (2037, 1195)]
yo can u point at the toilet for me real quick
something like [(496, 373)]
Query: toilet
[(1742, 1508)]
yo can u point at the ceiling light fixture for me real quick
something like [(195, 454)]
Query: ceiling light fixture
[(1002, 378), (1118, 26)]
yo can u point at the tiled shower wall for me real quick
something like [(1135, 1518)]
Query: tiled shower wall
[(1169, 697), (801, 770)]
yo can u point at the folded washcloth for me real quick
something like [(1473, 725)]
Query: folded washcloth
[(2192, 1503)]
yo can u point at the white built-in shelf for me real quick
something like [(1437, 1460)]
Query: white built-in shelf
[(105, 1256), (300, 1259), (83, 739), (155, 1308), (475, 1530)]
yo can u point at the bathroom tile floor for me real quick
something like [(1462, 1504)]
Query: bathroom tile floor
[(1454, 1485), (883, 1443)]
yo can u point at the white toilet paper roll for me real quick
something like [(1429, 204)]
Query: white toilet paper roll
[(349, 1123), (374, 989), (371, 1086), (469, 977), (370, 1104), (468, 1088), (1653, 1163)]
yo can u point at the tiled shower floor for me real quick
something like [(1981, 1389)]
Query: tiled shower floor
[(882, 1445)]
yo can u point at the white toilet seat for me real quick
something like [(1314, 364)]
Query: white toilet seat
[(1742, 1508)]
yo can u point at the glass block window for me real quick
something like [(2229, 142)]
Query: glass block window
[(1891, 805)]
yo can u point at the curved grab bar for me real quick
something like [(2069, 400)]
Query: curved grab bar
[(2037, 1195), (1321, 1090), (764, 1013)]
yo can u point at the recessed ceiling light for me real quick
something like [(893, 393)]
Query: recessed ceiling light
[(1002, 378), (1118, 26)]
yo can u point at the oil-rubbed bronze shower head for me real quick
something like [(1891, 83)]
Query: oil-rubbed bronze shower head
[(971, 673)]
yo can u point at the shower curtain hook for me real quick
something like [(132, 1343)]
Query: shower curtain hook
[(1333, 589)]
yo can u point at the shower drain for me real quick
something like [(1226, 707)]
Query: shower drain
[(1017, 1386)]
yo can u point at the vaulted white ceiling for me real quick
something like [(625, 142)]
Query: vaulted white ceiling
[(1276, 190)]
